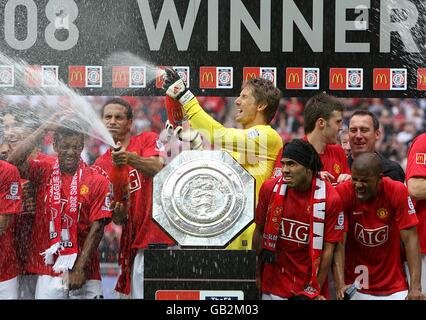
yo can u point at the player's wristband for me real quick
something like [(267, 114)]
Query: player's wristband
[(186, 97)]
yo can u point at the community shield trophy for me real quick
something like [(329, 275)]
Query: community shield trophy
[(203, 198)]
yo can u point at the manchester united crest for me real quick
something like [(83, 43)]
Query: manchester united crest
[(382, 213)]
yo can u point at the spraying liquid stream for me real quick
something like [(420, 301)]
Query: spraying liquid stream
[(50, 100)]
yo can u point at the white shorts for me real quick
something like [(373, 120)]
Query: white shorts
[(9, 289), (49, 287), (423, 281), (270, 296), (27, 286), (136, 288), (394, 296)]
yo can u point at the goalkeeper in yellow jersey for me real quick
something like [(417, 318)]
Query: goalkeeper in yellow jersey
[(255, 147)]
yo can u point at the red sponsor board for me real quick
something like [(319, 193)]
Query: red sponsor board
[(120, 77), (421, 79), (294, 78), (77, 76), (251, 72), (337, 78), (381, 79), (208, 78)]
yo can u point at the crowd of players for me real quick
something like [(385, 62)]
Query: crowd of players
[(53, 179)]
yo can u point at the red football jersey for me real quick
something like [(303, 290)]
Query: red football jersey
[(334, 159), (93, 205), (10, 203), (292, 271), (416, 167), (23, 222), (373, 241), (145, 229)]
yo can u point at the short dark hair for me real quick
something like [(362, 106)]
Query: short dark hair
[(304, 153), (376, 123), (265, 92), (68, 128), (122, 102), (321, 105)]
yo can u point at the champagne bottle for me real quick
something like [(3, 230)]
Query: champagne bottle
[(119, 177)]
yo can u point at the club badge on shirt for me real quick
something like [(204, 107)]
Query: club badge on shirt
[(336, 168), (382, 213)]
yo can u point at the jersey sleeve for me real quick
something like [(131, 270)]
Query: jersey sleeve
[(405, 212), (334, 220), (99, 200), (151, 145), (345, 190), (416, 160), (10, 191), (39, 171), (262, 142)]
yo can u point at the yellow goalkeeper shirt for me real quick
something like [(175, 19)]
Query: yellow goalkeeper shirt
[(256, 149)]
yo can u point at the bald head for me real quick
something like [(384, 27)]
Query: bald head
[(368, 162)]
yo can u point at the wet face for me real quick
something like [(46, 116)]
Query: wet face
[(115, 119), (332, 127), (365, 184), (69, 149), (362, 136), (15, 135), (246, 106), (295, 175)]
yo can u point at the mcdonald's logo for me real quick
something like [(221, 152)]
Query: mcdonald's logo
[(250, 72), (250, 76), (381, 79), (77, 76), (421, 79), (208, 77), (120, 77), (294, 78), (420, 158), (33, 76), (337, 78)]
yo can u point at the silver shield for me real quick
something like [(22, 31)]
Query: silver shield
[(203, 198)]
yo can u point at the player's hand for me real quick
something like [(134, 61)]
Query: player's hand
[(76, 279), (119, 156), (320, 297), (415, 294), (193, 136), (325, 175), (28, 198), (169, 128), (344, 177), (120, 212), (340, 291), (175, 87)]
